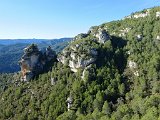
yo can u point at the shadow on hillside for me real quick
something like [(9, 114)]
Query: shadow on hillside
[(116, 57), (118, 42), (111, 57), (120, 56)]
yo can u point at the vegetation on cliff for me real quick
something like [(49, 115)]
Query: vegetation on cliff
[(121, 84)]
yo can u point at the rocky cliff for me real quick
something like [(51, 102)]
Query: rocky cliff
[(117, 79), (78, 55), (34, 60), (83, 50)]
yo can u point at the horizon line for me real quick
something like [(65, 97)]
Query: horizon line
[(33, 38)]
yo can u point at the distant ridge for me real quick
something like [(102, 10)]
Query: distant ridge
[(29, 41), (12, 49)]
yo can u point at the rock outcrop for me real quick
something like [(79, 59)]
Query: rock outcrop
[(33, 61), (158, 37), (124, 31), (132, 64), (133, 67), (81, 52), (75, 57), (139, 15), (78, 55), (101, 34), (80, 36), (69, 102), (158, 14), (139, 37), (86, 72)]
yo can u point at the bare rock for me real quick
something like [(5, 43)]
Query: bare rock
[(158, 37), (102, 36), (69, 102), (133, 67), (132, 64), (139, 37), (139, 15), (158, 14), (77, 58), (33, 61)]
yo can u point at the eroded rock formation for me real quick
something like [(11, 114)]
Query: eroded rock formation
[(101, 34), (33, 61), (78, 56), (81, 53)]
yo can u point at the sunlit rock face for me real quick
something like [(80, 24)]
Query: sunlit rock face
[(87, 69), (78, 55), (76, 59), (69, 102), (133, 67), (139, 15), (82, 51), (158, 14), (101, 34), (132, 64), (33, 61), (158, 37), (144, 14)]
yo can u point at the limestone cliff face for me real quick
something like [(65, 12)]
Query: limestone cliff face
[(78, 55), (101, 35), (75, 58), (82, 52), (33, 61)]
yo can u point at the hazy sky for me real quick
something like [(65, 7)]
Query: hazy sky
[(61, 18)]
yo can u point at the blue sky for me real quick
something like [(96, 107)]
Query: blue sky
[(61, 18)]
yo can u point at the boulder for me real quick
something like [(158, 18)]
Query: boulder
[(136, 73), (158, 37), (139, 37)]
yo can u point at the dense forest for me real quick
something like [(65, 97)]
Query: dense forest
[(122, 84)]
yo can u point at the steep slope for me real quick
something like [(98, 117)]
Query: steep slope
[(110, 73)]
